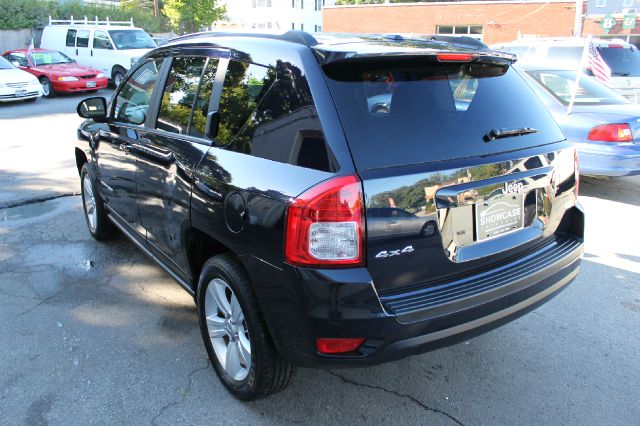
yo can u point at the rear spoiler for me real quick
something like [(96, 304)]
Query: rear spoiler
[(491, 57)]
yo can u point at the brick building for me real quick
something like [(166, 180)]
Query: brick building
[(490, 21)]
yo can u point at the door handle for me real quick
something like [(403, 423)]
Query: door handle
[(126, 147), (91, 52), (205, 189), (76, 52), (164, 157)]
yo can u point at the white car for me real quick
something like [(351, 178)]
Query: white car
[(565, 52), (108, 46), (17, 85)]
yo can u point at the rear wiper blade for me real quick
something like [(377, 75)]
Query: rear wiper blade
[(494, 134), (621, 74)]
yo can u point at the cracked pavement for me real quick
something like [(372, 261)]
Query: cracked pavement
[(95, 333)]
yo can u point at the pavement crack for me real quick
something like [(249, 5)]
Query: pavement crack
[(398, 394), (185, 394), (38, 200), (17, 295)]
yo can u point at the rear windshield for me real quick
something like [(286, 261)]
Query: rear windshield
[(414, 111), (624, 62)]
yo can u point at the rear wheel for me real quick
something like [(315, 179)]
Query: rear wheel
[(95, 214), (234, 333), (47, 88)]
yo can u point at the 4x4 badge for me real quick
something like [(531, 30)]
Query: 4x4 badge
[(389, 253)]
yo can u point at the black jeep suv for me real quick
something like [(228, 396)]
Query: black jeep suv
[(334, 201)]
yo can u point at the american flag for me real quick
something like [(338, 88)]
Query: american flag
[(596, 64)]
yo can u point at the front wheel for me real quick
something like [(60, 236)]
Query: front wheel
[(117, 76), (234, 333), (95, 213), (47, 88)]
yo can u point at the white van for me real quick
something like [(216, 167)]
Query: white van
[(623, 58), (109, 46)]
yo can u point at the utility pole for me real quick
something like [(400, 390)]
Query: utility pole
[(155, 7), (577, 23)]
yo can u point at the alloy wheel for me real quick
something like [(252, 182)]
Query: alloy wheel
[(227, 329), (46, 88), (89, 201)]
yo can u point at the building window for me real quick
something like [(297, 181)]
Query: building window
[(627, 3), (301, 27), (293, 25), (318, 5), (318, 28), (474, 31), (260, 3), (601, 3), (297, 4)]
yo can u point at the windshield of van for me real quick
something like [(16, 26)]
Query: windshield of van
[(399, 112), (49, 57), (131, 39), (5, 65), (561, 85), (623, 61)]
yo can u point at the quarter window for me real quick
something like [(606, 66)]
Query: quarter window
[(132, 102), (179, 94), (244, 86), (71, 38), (474, 31)]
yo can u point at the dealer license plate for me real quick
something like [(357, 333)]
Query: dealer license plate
[(499, 216), (91, 84), (21, 92)]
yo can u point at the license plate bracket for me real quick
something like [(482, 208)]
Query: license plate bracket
[(21, 92), (499, 216), (91, 84)]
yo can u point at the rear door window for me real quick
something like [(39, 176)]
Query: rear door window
[(203, 99), (82, 39), (623, 61), (180, 93), (398, 112), (71, 38)]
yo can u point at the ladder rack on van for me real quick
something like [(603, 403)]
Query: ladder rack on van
[(86, 21)]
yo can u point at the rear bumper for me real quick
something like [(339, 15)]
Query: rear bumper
[(344, 303), (613, 160)]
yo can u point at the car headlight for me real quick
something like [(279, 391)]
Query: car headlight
[(35, 81), (101, 75), (68, 78), (134, 60)]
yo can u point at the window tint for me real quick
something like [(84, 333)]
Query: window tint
[(83, 38), (244, 86), (623, 62), (71, 38), (133, 99), (101, 40), (201, 107), (179, 94), (435, 111), (285, 126)]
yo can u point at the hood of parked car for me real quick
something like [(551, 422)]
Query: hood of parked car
[(15, 76), (66, 69)]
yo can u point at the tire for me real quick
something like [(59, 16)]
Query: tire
[(258, 371), (117, 75), (95, 214), (47, 88)]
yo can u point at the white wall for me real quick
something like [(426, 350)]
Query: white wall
[(279, 16)]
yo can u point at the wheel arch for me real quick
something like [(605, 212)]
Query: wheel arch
[(201, 246), (81, 159)]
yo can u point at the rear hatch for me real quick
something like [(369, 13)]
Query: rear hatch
[(461, 164)]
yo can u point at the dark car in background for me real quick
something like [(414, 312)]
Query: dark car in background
[(604, 126), (252, 168)]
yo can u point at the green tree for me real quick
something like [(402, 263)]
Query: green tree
[(189, 16)]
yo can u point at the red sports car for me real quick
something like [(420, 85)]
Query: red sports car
[(57, 72)]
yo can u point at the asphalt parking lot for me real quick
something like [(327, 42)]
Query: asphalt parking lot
[(95, 333)]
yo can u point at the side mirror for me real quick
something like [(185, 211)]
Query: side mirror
[(213, 121), (93, 108)]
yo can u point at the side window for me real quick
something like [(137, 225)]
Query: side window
[(19, 58), (179, 94), (244, 85), (133, 99), (101, 40), (285, 126), (71, 38), (201, 106), (82, 39)]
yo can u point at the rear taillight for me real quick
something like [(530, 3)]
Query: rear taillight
[(616, 46), (456, 57), (611, 133), (338, 345), (325, 225)]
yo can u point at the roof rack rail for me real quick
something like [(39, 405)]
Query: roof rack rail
[(293, 36), (87, 21)]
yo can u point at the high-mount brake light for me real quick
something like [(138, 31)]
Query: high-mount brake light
[(620, 132), (325, 225), (456, 57)]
